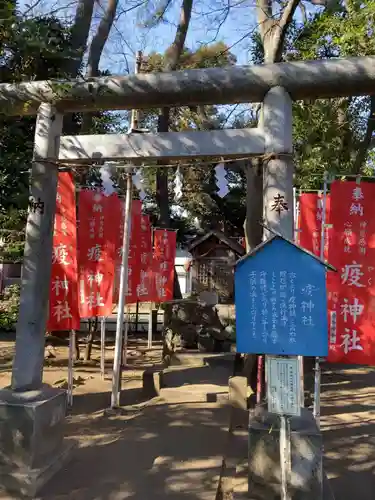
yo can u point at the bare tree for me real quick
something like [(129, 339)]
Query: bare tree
[(96, 50)]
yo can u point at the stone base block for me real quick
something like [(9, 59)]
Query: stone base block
[(152, 383), (31, 438), (25, 482), (305, 476)]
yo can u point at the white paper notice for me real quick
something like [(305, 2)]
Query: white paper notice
[(283, 386)]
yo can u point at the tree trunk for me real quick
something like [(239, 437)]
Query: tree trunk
[(95, 52), (173, 55), (78, 354), (93, 328), (80, 33), (162, 193), (254, 203)]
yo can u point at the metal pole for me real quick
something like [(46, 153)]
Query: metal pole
[(124, 351), (317, 363), (149, 335), (302, 381), (125, 338), (70, 367), (285, 463), (259, 378), (136, 317), (102, 348), (296, 229), (121, 343), (115, 400)]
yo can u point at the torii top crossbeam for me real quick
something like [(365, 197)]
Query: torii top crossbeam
[(234, 84)]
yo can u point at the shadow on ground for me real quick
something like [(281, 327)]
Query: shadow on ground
[(157, 450), (157, 454), (348, 425)]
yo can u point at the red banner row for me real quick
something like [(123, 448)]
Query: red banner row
[(86, 270), (350, 248)]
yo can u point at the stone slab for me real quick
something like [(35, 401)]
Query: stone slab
[(193, 358)]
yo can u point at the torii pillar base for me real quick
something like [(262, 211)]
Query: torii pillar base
[(32, 448), (264, 474)]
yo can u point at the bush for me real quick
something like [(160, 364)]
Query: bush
[(9, 307)]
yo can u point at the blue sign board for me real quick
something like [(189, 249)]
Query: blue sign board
[(281, 301)]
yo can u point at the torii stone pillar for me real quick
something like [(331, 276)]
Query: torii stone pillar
[(278, 167), (28, 362), (32, 414), (305, 477)]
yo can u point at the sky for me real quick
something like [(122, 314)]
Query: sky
[(128, 36), (209, 23)]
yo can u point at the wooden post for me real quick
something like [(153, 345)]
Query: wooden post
[(36, 270)]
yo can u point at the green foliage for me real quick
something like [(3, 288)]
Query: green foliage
[(12, 235), (9, 307), (32, 49), (339, 33), (328, 133)]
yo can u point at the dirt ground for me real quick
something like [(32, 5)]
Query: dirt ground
[(167, 447), (172, 447), (348, 426)]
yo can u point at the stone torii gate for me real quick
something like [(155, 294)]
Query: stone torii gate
[(30, 412)]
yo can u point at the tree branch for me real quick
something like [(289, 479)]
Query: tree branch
[(303, 12)]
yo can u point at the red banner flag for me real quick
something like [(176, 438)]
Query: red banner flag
[(97, 239), (63, 298), (351, 290), (310, 222), (163, 264), (134, 258), (144, 286)]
